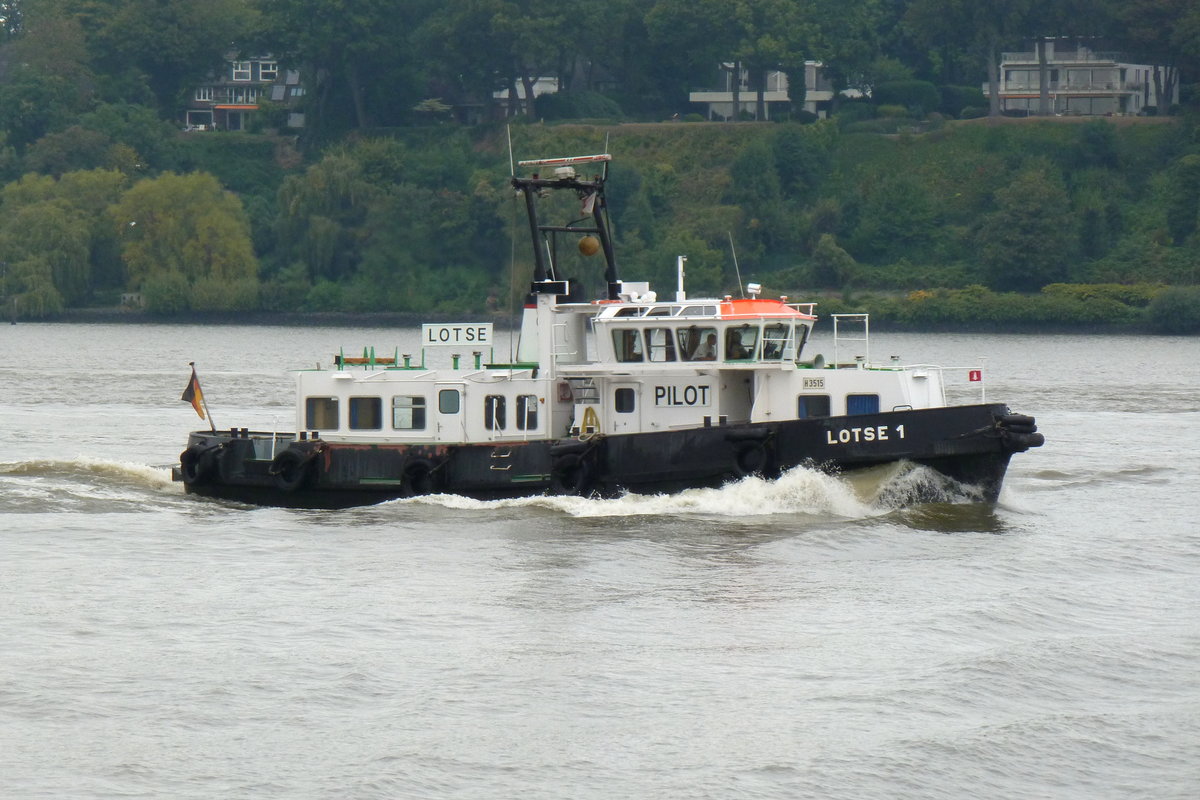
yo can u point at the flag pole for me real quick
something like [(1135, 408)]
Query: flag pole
[(203, 400)]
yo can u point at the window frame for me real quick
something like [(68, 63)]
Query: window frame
[(417, 410), (331, 408)]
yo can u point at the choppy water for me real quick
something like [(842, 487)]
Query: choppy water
[(804, 638)]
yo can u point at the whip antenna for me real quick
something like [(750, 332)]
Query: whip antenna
[(736, 268)]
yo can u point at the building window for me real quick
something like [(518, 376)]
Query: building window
[(449, 401), (862, 404), (297, 91), (661, 344), (240, 70), (623, 401), (204, 94), (366, 413), (494, 412), (408, 413), (268, 70), (321, 413), (243, 95), (628, 345), (527, 412), (812, 405)]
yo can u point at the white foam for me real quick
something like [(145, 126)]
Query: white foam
[(798, 491)]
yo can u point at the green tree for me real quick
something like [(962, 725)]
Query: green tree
[(831, 267), (1183, 198), (186, 224), (1028, 240), (358, 56)]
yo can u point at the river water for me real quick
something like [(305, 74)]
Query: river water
[(789, 640)]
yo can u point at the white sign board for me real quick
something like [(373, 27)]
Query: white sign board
[(467, 334)]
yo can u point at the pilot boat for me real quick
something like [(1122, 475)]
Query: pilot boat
[(624, 393)]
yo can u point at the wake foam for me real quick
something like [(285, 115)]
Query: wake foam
[(92, 471), (800, 491)]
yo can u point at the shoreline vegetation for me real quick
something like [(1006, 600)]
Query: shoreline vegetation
[(1045, 224), (1063, 308)]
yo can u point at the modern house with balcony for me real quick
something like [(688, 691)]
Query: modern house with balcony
[(227, 101), (718, 103), (1081, 81)]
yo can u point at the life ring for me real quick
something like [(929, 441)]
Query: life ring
[(749, 458), (198, 464), (292, 469), (418, 478), (571, 474)]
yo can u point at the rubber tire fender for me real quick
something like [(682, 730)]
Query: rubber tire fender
[(292, 469), (198, 464), (749, 458), (571, 473), (417, 478)]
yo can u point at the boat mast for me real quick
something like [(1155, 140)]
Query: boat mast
[(546, 277)]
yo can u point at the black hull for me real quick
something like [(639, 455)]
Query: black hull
[(969, 444)]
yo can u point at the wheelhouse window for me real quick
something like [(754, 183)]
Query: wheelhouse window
[(623, 401), (321, 413), (812, 405), (366, 413), (494, 412), (697, 344), (775, 341), (628, 345), (801, 340), (449, 401), (862, 404), (661, 344), (740, 343), (408, 413), (527, 412)]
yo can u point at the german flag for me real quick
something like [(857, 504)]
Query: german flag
[(192, 393)]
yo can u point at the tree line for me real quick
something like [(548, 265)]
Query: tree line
[(390, 205)]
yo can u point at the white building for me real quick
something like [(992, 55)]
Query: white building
[(1080, 81), (818, 93)]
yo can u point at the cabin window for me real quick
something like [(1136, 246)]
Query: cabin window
[(527, 412), (321, 413), (628, 312), (449, 401), (659, 311), (812, 405), (493, 412), (366, 413), (661, 344), (623, 401), (775, 342), (698, 311), (862, 404), (408, 413), (698, 344), (740, 343), (801, 340), (628, 345)]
